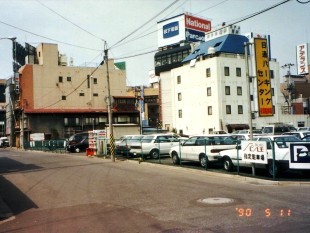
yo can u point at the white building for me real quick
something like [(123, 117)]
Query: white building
[(210, 91)]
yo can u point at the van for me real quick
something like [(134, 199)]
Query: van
[(78, 142), (276, 129)]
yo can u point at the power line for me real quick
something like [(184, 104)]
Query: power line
[(69, 20), (144, 24)]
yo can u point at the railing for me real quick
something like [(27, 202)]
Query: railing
[(58, 146)]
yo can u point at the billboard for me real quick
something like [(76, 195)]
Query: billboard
[(182, 27), (302, 59), (263, 77)]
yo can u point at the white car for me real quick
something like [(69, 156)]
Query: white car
[(154, 145), (232, 158), (203, 148)]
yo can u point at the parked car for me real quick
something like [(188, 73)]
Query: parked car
[(78, 142), (299, 134), (154, 145), (231, 159), (277, 129), (203, 149), (303, 129), (4, 142), (123, 146)]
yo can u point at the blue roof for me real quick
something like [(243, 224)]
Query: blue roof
[(230, 43)]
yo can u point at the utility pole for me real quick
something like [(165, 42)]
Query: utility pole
[(289, 85), (246, 44), (106, 59)]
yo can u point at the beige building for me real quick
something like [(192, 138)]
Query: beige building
[(60, 100)]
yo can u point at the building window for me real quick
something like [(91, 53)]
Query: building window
[(239, 90), (240, 109), (95, 80), (209, 91), (72, 121), (179, 96), (251, 97), (179, 79), (271, 74), (226, 71), (95, 94), (81, 94), (272, 91), (238, 72), (209, 110), (208, 72), (63, 97), (180, 113), (227, 90), (60, 79), (69, 79), (228, 109)]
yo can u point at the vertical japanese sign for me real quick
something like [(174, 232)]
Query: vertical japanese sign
[(302, 59), (263, 77)]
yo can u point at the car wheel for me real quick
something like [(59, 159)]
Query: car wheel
[(154, 154), (203, 161), (228, 165), (175, 158), (270, 168), (77, 150)]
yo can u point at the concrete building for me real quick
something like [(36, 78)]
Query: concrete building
[(209, 92), (59, 100)]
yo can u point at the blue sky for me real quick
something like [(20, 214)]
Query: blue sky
[(93, 21)]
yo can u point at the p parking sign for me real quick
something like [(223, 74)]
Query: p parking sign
[(300, 155)]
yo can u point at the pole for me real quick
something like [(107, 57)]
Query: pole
[(109, 105)]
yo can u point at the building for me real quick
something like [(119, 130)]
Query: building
[(59, 100), (209, 92)]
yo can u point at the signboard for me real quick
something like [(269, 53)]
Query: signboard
[(299, 156), (302, 59), (182, 27), (263, 77), (37, 137), (254, 151)]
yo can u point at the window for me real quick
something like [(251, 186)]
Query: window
[(71, 121), (227, 90), (81, 94), (69, 79), (209, 91), (179, 96), (226, 71), (60, 79), (91, 121), (238, 72), (271, 74), (240, 109), (228, 109), (272, 91), (95, 94), (208, 72), (179, 79), (63, 97), (180, 113), (95, 80), (239, 90), (209, 110), (251, 97)]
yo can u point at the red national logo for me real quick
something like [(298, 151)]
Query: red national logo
[(197, 23)]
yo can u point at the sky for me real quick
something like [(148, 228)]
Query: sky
[(81, 28)]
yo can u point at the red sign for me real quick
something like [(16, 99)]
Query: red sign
[(197, 23)]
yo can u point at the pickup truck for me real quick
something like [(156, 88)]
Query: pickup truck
[(232, 158)]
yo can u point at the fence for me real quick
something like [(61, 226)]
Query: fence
[(58, 146)]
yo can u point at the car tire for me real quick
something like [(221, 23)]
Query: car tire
[(270, 168), (203, 161), (77, 150), (154, 154), (175, 158), (228, 165)]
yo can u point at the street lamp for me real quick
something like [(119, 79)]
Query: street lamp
[(289, 85)]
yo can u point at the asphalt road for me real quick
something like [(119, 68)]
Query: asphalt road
[(50, 192)]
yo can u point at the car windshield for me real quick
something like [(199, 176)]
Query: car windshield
[(216, 140), (282, 142)]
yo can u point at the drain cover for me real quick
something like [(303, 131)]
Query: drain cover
[(216, 200)]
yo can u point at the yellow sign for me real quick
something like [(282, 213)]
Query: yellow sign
[(263, 77)]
